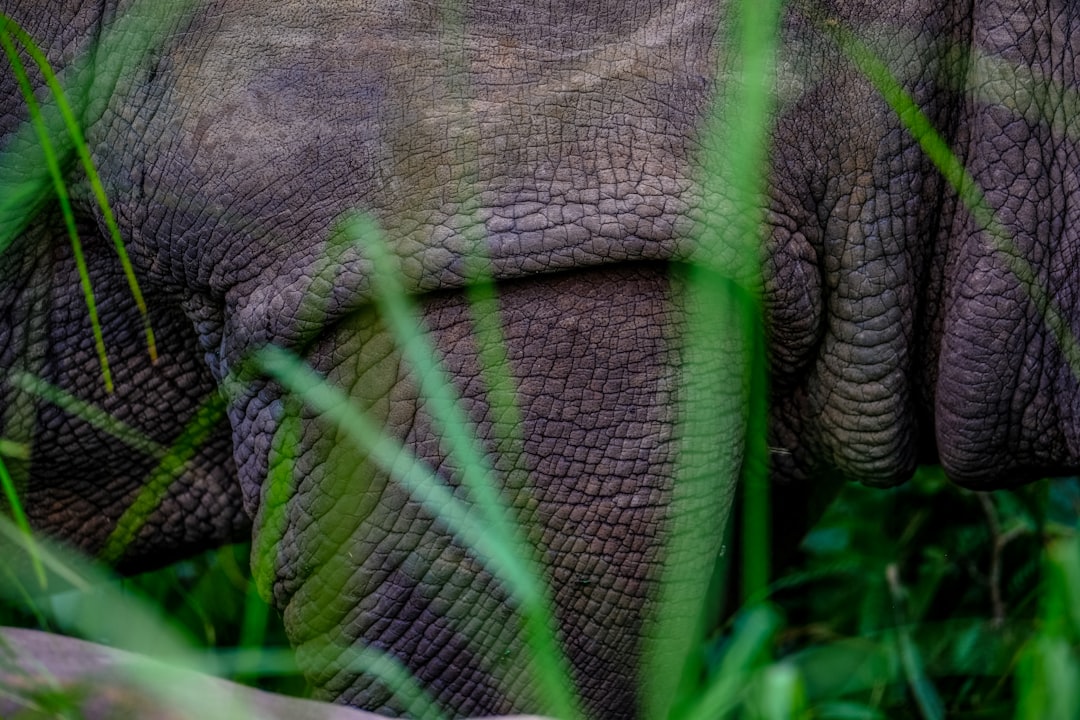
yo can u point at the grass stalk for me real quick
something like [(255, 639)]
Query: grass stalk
[(11, 29), (497, 552), (202, 424), (52, 162)]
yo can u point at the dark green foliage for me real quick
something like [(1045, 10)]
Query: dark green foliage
[(210, 598), (921, 601), (931, 601)]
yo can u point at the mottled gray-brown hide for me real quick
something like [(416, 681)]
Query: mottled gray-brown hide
[(565, 139)]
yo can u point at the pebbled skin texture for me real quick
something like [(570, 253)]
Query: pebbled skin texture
[(596, 378), (566, 138), (901, 334)]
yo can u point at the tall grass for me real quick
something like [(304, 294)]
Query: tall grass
[(863, 629)]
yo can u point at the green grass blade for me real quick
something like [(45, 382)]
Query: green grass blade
[(1048, 674), (396, 678), (14, 449), (780, 693), (90, 414), (723, 303), (501, 388), (748, 649), (49, 560), (922, 688), (712, 407), (281, 480), (527, 584), (104, 609), (60, 188), (756, 502), (389, 671), (393, 457), (436, 387), (1047, 679), (494, 551), (21, 522), (198, 429), (75, 133), (506, 428), (736, 168), (253, 630)]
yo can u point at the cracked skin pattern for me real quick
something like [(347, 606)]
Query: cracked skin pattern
[(566, 137)]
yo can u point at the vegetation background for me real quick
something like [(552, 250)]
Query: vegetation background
[(926, 601)]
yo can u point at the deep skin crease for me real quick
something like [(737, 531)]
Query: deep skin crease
[(566, 138)]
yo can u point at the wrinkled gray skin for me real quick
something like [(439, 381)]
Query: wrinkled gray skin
[(570, 131)]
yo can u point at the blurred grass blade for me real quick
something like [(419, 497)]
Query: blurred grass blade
[(75, 134), (49, 561), (748, 649), (281, 480), (52, 162), (529, 588), (14, 449), (435, 386), (153, 491), (926, 696), (780, 694), (396, 678), (1048, 675), (393, 457), (501, 388), (756, 499), (493, 550), (383, 666), (713, 401), (736, 169), (922, 688), (840, 710), (723, 308), (1048, 679), (90, 414), (1063, 574), (105, 610), (253, 629), (21, 522)]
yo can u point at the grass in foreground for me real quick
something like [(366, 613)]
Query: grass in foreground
[(920, 602)]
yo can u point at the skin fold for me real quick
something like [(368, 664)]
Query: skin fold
[(565, 143)]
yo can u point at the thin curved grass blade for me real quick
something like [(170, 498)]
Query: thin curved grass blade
[(499, 553), (206, 418), (11, 29), (52, 162)]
